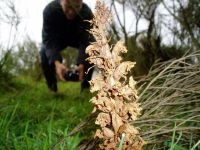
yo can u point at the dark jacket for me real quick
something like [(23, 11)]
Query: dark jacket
[(58, 32)]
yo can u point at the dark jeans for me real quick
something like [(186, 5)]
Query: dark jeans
[(50, 73)]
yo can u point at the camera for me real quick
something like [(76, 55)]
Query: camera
[(71, 75)]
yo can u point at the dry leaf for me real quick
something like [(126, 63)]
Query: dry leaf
[(97, 83), (103, 119), (117, 50), (123, 69), (116, 121), (108, 133)]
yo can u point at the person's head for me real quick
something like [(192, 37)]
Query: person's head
[(71, 7)]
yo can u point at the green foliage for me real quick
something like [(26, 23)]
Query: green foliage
[(189, 22), (146, 53), (144, 58), (69, 56), (23, 61), (173, 144), (27, 60), (33, 118), (5, 67)]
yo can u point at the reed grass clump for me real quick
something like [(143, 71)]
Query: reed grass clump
[(170, 99)]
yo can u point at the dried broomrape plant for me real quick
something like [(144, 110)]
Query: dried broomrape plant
[(116, 99)]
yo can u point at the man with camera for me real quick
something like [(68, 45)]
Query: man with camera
[(65, 23)]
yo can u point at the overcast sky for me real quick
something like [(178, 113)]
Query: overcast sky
[(30, 12)]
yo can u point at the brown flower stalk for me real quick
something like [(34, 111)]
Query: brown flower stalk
[(116, 99)]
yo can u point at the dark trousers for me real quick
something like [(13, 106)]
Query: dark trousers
[(50, 72)]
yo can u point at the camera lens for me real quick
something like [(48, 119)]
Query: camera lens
[(71, 75)]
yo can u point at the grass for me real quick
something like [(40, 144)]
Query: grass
[(170, 98), (34, 118)]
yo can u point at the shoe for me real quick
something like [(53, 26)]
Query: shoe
[(53, 87)]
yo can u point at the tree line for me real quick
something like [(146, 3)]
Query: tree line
[(179, 20)]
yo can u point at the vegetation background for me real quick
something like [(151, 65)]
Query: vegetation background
[(168, 78)]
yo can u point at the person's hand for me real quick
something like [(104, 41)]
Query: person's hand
[(80, 69), (60, 70)]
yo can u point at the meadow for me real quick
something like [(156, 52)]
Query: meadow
[(34, 118)]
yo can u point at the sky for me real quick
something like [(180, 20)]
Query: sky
[(30, 12)]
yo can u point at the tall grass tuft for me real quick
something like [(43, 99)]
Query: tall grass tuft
[(170, 95)]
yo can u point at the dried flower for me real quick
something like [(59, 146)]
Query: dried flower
[(116, 98)]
